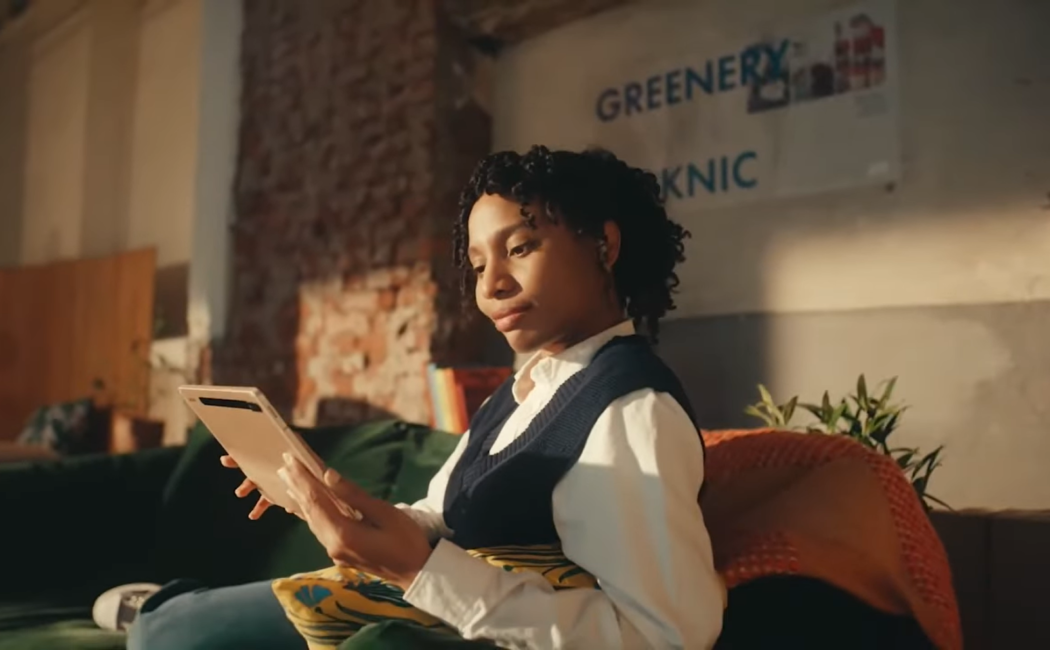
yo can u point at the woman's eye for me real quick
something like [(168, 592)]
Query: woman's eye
[(478, 270), (521, 249)]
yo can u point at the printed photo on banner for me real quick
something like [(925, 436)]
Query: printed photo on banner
[(848, 57), (805, 108)]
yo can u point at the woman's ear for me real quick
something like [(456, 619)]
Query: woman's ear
[(611, 250)]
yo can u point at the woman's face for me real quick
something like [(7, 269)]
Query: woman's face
[(543, 287)]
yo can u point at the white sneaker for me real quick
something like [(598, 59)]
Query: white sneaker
[(116, 609)]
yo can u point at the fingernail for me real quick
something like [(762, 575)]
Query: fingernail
[(282, 474), (287, 458), (330, 477)]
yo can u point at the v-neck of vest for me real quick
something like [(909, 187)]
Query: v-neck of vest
[(483, 463)]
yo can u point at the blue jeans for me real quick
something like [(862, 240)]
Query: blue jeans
[(184, 615)]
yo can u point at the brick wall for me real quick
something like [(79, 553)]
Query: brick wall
[(510, 21), (338, 301), (360, 121)]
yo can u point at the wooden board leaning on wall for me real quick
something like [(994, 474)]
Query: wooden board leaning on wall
[(75, 329)]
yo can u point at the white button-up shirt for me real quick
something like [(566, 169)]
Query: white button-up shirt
[(626, 512)]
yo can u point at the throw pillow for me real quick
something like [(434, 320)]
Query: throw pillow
[(333, 604), (60, 427)]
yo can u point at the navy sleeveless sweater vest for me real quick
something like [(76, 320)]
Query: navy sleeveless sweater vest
[(505, 498)]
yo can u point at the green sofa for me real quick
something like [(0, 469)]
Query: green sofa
[(73, 528)]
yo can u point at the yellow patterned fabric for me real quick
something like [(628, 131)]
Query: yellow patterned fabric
[(330, 605)]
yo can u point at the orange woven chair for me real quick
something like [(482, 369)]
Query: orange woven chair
[(823, 543)]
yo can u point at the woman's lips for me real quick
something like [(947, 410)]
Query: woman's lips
[(507, 321)]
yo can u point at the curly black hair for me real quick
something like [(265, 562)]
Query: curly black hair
[(587, 189)]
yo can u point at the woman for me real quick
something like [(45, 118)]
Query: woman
[(591, 444)]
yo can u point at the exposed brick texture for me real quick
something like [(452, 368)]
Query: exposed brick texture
[(359, 124), (334, 296), (515, 20)]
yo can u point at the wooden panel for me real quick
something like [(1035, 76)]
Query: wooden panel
[(68, 326)]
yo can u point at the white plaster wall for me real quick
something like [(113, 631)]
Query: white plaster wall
[(164, 142), (968, 223), (76, 204), (975, 380), (104, 224), (101, 118), (56, 131), (943, 281), (216, 168)]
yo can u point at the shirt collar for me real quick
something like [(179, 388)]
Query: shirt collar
[(551, 371)]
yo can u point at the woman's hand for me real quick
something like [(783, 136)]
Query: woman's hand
[(246, 488), (386, 543)]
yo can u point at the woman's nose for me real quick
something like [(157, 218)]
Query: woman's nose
[(495, 282)]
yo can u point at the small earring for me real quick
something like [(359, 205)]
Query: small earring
[(603, 253)]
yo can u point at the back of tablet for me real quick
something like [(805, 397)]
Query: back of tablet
[(250, 430)]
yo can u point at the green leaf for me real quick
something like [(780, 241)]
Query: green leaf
[(931, 459), (766, 397), (920, 485), (755, 412), (880, 427), (815, 411), (854, 422), (867, 419), (887, 391), (930, 497), (839, 412), (904, 460), (862, 392), (892, 418), (789, 409)]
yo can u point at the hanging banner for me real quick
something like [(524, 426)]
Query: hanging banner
[(807, 109)]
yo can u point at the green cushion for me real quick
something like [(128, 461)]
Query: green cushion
[(370, 456), (205, 532), (424, 453)]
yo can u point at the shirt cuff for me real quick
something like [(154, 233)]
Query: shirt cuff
[(452, 585)]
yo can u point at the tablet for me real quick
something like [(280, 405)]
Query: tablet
[(250, 430)]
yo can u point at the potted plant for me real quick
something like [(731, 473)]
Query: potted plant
[(868, 419)]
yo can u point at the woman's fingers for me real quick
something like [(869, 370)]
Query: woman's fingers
[(301, 484), (352, 495), (260, 507), (245, 488), (311, 494)]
